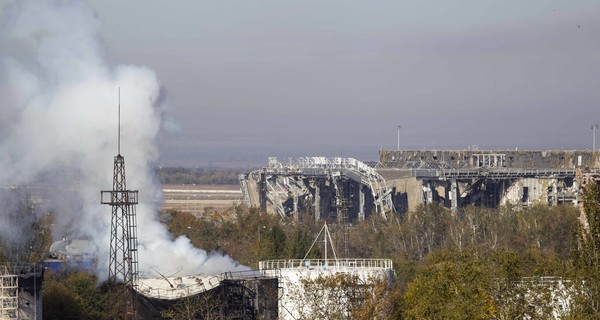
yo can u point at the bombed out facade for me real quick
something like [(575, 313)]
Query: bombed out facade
[(338, 188), (403, 179)]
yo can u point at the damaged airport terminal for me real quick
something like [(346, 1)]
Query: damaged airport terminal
[(403, 179)]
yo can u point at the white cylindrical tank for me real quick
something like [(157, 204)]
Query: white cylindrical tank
[(332, 287)]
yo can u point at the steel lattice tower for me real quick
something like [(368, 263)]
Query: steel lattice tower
[(123, 260)]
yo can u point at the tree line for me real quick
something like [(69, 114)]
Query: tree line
[(199, 176), (480, 263)]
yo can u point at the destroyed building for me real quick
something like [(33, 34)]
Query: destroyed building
[(249, 294), (320, 186), (403, 179)]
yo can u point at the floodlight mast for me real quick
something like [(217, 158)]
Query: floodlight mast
[(594, 128), (399, 127)]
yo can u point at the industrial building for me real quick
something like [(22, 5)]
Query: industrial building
[(403, 179)]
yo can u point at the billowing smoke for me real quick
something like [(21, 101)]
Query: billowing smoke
[(58, 121)]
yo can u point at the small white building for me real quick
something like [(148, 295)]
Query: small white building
[(331, 286), (325, 288)]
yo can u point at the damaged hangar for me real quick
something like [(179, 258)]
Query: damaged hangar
[(345, 188)]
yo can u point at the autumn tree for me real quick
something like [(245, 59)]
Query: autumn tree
[(587, 277), (327, 296), (382, 300), (450, 286), (199, 306), (73, 295)]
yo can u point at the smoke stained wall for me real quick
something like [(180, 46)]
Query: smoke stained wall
[(58, 116)]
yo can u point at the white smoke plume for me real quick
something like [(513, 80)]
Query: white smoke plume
[(58, 119)]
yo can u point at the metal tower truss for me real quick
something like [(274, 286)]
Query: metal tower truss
[(123, 260), (9, 294)]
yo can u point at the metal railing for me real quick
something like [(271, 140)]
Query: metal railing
[(492, 173), (18, 268), (326, 264), (202, 284), (324, 163)]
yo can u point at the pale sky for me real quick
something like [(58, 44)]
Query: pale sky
[(250, 79)]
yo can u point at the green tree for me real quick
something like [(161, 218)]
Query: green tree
[(73, 295), (60, 303), (587, 277), (450, 286), (273, 243)]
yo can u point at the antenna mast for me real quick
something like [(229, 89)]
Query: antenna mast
[(123, 262), (119, 130)]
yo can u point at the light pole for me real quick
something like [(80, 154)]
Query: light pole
[(399, 127), (594, 127)]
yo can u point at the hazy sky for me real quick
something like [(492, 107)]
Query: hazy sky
[(250, 79)]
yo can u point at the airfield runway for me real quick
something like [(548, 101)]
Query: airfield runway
[(197, 199)]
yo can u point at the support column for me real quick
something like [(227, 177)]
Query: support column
[(453, 196), (361, 203), (501, 194), (317, 201), (428, 194), (262, 191), (296, 205), (339, 198), (554, 193)]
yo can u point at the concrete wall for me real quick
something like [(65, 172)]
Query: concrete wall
[(527, 191), (409, 193)]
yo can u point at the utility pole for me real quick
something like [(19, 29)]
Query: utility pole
[(399, 127)]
